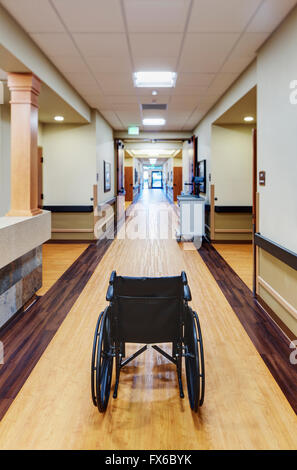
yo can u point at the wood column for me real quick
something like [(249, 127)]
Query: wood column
[(24, 89)]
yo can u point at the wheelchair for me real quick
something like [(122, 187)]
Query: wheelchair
[(147, 311)]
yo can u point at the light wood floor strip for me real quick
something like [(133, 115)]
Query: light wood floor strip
[(244, 407)]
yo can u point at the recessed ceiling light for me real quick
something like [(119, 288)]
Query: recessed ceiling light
[(154, 92), (153, 161), (249, 119), (59, 118), (153, 122), (154, 79)]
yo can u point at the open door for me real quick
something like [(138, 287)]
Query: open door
[(129, 183), (40, 177), (177, 181)]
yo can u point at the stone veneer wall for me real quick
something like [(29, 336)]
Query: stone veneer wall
[(19, 281)]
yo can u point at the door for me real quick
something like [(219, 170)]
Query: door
[(40, 177), (157, 180), (177, 181), (120, 166), (129, 183)]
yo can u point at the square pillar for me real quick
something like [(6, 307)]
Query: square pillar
[(24, 89)]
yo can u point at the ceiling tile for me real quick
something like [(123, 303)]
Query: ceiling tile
[(221, 83), (91, 15), (34, 15), (98, 101), (121, 99), (102, 44), (113, 119), (54, 44), (236, 64), (189, 90), (155, 63), (222, 16), (163, 16), (116, 84), (84, 82), (155, 45), (160, 99), (109, 64), (205, 53), (69, 64), (248, 44), (128, 118), (270, 14), (195, 79)]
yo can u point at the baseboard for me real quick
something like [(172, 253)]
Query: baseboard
[(275, 318), (60, 242), (232, 242)]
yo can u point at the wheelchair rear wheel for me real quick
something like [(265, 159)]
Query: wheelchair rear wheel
[(102, 362), (194, 358)]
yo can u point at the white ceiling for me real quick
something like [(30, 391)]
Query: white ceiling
[(98, 44)]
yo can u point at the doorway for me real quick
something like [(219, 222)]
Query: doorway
[(157, 180)]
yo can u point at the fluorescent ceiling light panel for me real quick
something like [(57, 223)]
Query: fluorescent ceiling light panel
[(154, 79), (59, 118), (249, 119), (153, 122)]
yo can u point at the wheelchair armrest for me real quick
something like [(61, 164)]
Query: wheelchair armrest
[(187, 293), (112, 277), (110, 294)]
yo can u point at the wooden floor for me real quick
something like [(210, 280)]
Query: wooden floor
[(244, 407), (57, 258), (240, 258)]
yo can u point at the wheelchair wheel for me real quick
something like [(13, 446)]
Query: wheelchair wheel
[(194, 359), (102, 362)]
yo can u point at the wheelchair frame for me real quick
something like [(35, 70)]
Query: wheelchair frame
[(189, 346)]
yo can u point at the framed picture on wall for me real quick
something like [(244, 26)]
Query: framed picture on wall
[(107, 176), (202, 174)]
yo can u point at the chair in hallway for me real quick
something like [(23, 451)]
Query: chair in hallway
[(147, 310)]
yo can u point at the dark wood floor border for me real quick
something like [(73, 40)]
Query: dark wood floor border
[(28, 335), (270, 342)]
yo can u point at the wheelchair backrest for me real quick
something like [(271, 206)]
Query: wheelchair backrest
[(147, 310)]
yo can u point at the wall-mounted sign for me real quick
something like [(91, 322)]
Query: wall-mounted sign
[(133, 130)]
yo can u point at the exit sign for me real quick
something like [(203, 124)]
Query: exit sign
[(133, 130)]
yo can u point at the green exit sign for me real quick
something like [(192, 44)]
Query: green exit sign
[(133, 130)]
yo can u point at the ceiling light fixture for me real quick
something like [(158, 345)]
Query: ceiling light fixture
[(59, 118), (249, 119), (153, 122), (154, 79), (153, 161), (154, 92)]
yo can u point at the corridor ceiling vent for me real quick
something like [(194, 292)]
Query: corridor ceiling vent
[(158, 106), (153, 122), (154, 79), (249, 119), (59, 118)]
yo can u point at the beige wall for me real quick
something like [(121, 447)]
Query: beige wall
[(105, 151), (243, 85), (232, 163), (277, 136), (4, 159), (73, 156)]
